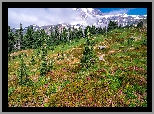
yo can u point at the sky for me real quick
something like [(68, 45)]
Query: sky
[(131, 11), (52, 16)]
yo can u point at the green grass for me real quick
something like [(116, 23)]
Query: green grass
[(11, 90), (118, 81)]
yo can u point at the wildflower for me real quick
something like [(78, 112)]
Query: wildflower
[(88, 78), (120, 91), (46, 85), (45, 100), (110, 100), (142, 80), (52, 74), (91, 99), (64, 70), (16, 91), (59, 87), (73, 74), (136, 68), (141, 69)]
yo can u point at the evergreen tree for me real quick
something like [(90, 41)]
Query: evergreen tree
[(104, 30), (73, 33), (88, 31), (97, 31), (85, 32), (70, 34), (76, 37), (11, 40), (89, 57), (60, 35), (17, 39), (112, 25), (127, 26), (64, 35), (120, 26), (140, 24), (100, 30), (93, 30), (28, 40), (52, 40), (21, 37), (56, 35), (46, 64), (36, 37), (43, 37), (43, 67), (49, 42), (22, 72), (80, 33)]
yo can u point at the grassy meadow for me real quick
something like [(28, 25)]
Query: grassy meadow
[(119, 80)]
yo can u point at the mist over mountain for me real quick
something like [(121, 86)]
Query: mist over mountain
[(69, 17)]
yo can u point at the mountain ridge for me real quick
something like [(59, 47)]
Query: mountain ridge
[(92, 16)]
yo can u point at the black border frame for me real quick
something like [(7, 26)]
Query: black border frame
[(6, 5)]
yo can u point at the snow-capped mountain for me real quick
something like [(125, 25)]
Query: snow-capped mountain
[(92, 16), (96, 17), (89, 16), (89, 11)]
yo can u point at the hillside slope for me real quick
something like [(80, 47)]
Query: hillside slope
[(118, 79)]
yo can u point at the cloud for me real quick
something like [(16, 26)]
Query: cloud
[(40, 16), (49, 16)]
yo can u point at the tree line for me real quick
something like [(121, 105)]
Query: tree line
[(42, 42), (35, 39)]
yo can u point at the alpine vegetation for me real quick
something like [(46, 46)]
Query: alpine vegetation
[(78, 67)]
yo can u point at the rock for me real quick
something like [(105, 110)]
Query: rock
[(132, 38), (102, 47), (101, 58)]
